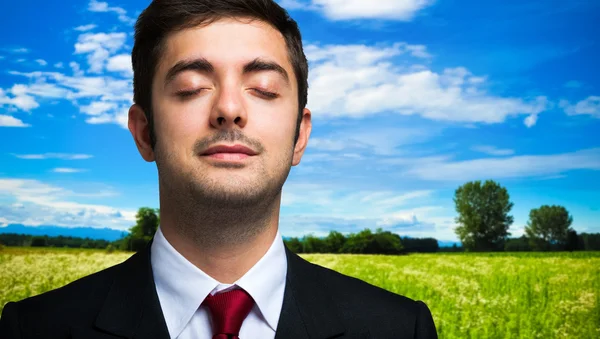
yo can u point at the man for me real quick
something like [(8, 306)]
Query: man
[(220, 89)]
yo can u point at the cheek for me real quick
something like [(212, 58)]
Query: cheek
[(277, 128), (179, 126)]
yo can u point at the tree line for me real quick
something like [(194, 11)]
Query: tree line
[(483, 219), (25, 240), (363, 242)]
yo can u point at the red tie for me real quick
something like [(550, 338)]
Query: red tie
[(228, 310)]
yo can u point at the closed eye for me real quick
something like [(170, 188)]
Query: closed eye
[(187, 94), (269, 95)]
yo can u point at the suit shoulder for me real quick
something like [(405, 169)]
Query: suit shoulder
[(53, 313), (355, 294), (355, 288), (360, 302)]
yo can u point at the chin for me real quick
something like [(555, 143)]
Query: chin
[(237, 191)]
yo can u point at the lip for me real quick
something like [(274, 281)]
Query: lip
[(235, 149)]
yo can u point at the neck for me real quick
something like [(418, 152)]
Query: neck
[(223, 242)]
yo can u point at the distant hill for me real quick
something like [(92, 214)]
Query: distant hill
[(442, 243), (82, 232)]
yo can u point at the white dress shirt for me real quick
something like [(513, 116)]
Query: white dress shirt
[(182, 287)]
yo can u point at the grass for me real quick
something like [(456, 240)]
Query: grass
[(27, 271), (492, 295)]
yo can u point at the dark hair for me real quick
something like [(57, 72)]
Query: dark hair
[(163, 17)]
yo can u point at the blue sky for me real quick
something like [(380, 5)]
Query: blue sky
[(410, 99)]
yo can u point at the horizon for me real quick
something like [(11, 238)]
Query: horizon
[(409, 102), (110, 234)]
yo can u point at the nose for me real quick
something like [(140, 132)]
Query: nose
[(229, 110)]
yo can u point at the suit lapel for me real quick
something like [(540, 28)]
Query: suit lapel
[(132, 308), (308, 310)]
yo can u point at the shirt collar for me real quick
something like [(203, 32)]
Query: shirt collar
[(181, 286), (265, 281)]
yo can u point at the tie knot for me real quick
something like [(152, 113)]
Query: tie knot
[(228, 310)]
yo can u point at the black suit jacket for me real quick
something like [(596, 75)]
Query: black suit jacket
[(121, 302)]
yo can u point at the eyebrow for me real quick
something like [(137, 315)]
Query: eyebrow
[(202, 65), (259, 65)]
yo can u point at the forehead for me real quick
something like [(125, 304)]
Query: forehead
[(226, 43)]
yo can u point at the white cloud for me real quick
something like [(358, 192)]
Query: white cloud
[(383, 140), (418, 51), (300, 225), (41, 62), (41, 90), (491, 150), (67, 170), (358, 81), (19, 50), (403, 10), (309, 208), (98, 107), (17, 97), (327, 144), (120, 117), (400, 10), (590, 106), (59, 65), (120, 63), (360, 55), (292, 4), (62, 156), (99, 47), (323, 200), (444, 169), (317, 209), (85, 28), (531, 120), (361, 203), (107, 98), (38, 203), (10, 121), (76, 69), (98, 6)]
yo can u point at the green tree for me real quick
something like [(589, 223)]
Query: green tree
[(335, 242), (146, 223), (573, 241), (483, 215), (385, 242), (358, 243), (39, 241), (413, 245), (590, 241), (294, 245), (367, 242), (517, 244), (548, 227), (312, 244)]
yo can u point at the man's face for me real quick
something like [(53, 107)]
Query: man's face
[(226, 84)]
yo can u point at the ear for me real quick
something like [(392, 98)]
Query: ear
[(140, 130), (303, 135)]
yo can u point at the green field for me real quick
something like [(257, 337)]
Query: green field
[(499, 295)]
